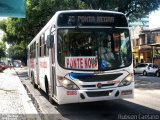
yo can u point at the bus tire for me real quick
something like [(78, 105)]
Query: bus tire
[(48, 92), (33, 81)]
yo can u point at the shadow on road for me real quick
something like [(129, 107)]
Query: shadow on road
[(105, 110), (23, 74), (102, 110)]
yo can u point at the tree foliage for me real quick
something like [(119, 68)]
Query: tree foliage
[(18, 51), (132, 8), (40, 11), (20, 31), (2, 49), (38, 14)]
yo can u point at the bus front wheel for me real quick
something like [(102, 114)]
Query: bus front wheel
[(33, 81), (48, 92)]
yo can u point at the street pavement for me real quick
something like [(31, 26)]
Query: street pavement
[(14, 101), (146, 102), (147, 89)]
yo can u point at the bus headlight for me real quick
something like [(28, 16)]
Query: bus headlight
[(126, 81), (68, 84)]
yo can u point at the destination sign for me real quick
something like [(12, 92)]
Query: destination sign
[(92, 19), (89, 63)]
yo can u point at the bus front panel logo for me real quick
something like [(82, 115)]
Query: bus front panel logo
[(99, 85)]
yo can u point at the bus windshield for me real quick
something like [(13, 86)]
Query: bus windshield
[(94, 48)]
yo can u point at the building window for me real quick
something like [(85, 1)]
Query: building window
[(142, 37), (137, 42)]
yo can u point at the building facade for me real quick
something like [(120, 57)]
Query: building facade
[(146, 45)]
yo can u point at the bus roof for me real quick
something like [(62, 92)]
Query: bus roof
[(52, 20), (105, 11)]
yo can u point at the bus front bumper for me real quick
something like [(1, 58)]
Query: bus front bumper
[(75, 96)]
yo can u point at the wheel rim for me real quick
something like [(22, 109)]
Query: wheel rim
[(157, 74)]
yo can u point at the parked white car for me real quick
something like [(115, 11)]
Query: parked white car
[(147, 68), (17, 63)]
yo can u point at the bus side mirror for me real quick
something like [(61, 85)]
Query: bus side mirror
[(50, 41)]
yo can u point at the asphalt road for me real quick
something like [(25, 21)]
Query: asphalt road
[(144, 106), (147, 82)]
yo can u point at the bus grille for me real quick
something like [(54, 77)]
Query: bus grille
[(98, 78), (99, 93), (103, 85)]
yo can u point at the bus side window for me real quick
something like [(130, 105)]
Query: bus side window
[(47, 49), (30, 52), (34, 50), (43, 45), (39, 47)]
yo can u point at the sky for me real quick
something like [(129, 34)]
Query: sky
[(154, 19)]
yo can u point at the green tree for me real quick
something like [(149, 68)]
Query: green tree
[(132, 8), (2, 49), (157, 53), (18, 51), (20, 31), (38, 14)]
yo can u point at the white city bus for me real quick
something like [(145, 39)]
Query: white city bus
[(83, 56)]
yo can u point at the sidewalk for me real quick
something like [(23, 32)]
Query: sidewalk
[(14, 101)]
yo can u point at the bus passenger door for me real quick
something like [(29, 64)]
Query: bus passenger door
[(52, 61), (37, 63)]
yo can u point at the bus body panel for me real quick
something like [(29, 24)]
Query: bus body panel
[(73, 96), (43, 72), (50, 69)]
